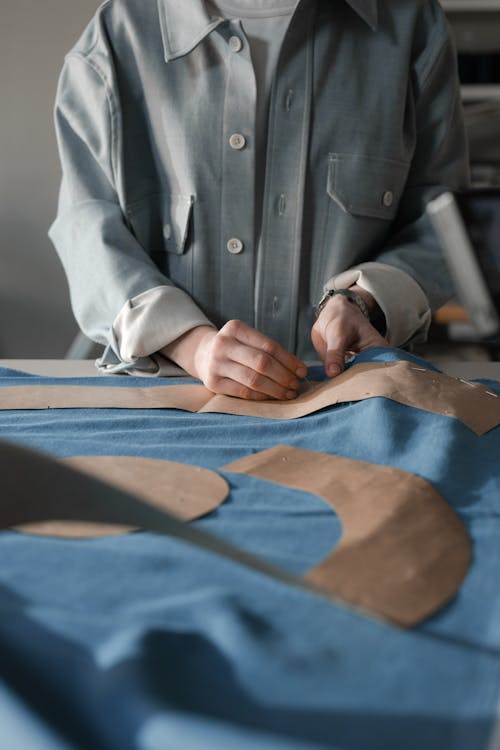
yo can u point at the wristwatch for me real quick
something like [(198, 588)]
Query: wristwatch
[(353, 297)]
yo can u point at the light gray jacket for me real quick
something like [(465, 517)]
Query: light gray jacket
[(365, 127)]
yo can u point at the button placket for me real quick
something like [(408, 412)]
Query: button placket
[(237, 189), (278, 267)]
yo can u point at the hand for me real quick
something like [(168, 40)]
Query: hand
[(342, 329), (238, 361)]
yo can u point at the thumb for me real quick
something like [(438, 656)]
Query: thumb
[(336, 347)]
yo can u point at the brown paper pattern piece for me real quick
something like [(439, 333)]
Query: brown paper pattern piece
[(403, 552), (38, 488), (471, 403), (185, 491), (188, 397)]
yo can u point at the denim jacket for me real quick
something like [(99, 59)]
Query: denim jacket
[(155, 119)]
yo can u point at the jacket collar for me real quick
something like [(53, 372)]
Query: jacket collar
[(185, 23), (368, 10)]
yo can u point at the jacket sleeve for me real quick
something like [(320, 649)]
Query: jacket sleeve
[(409, 277), (106, 267)]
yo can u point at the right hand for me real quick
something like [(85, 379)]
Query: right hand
[(238, 361)]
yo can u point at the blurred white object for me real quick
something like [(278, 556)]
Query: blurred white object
[(464, 264)]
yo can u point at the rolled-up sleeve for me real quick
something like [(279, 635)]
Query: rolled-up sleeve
[(147, 321), (402, 301), (107, 269)]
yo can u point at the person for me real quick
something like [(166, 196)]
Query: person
[(230, 167)]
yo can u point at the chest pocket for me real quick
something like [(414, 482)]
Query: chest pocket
[(161, 222), (366, 185), (363, 194), (162, 225)]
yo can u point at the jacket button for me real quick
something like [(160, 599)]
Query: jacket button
[(235, 43), (235, 246), (388, 198), (237, 141), (167, 231)]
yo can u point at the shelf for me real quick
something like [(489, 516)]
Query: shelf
[(475, 24), (470, 6), (479, 92)]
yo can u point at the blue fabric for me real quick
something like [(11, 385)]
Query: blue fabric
[(142, 641)]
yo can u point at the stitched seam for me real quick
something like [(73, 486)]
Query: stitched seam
[(222, 192), (337, 156), (111, 108)]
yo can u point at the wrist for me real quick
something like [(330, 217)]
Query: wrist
[(368, 299), (187, 351), (376, 316), (348, 294)]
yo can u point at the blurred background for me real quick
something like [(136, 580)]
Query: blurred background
[(35, 313)]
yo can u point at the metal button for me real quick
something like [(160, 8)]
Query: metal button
[(167, 231), (388, 198), (235, 246), (237, 141), (235, 43)]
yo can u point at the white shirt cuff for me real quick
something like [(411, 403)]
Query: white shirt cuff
[(152, 320), (403, 301)]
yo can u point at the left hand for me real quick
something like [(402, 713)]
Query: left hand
[(341, 329)]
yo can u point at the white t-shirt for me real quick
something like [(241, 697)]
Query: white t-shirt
[(265, 23)]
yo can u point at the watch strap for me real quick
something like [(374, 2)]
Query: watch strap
[(353, 297)]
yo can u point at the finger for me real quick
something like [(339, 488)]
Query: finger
[(263, 364), (245, 334), (334, 362), (250, 379), (229, 387), (338, 341)]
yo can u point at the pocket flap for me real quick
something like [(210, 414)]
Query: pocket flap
[(366, 185), (176, 224), (161, 222)]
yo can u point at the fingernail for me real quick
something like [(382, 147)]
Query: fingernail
[(301, 372), (332, 370), (291, 394)]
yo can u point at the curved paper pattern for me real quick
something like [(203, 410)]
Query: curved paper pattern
[(471, 403), (403, 552), (186, 491), (35, 488)]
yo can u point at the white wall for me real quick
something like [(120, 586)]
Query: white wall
[(35, 315)]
